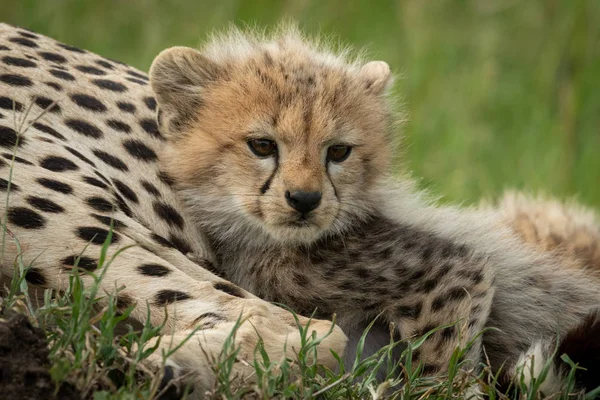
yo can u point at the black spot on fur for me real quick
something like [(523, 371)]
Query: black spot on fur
[(3, 47), (429, 285), (80, 156), (430, 369), (9, 138), (23, 42), (17, 159), (65, 76), (104, 64), (301, 279), (25, 218), (150, 126), (126, 107), (99, 204), (165, 178), (7, 103), (44, 205), (109, 221), (180, 244), (582, 345), (53, 57), (54, 86), (137, 75), (123, 205), (118, 125), (139, 150), (84, 128), (448, 333), (58, 164), (48, 130), (161, 240), (207, 265), (16, 80), (88, 102), (107, 84), (412, 311), (95, 235), (28, 34), (125, 190), (454, 294), (229, 289), (87, 263), (111, 160), (150, 103), (4, 186), (105, 179), (47, 104), (150, 188), (124, 301), (18, 62), (207, 320), (88, 69), (71, 48), (154, 270), (164, 297), (95, 182), (168, 214), (139, 82), (34, 276), (55, 185)]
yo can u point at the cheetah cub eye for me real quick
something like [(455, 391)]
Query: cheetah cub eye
[(262, 147), (338, 153), (276, 137)]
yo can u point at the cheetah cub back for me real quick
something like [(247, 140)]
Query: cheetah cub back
[(280, 150)]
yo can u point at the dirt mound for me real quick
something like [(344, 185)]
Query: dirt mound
[(24, 365)]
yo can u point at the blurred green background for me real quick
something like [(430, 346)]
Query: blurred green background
[(500, 93)]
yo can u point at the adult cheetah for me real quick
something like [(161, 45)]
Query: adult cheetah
[(83, 132)]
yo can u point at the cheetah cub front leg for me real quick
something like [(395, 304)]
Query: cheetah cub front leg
[(452, 299)]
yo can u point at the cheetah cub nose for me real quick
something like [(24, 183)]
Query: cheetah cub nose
[(303, 202)]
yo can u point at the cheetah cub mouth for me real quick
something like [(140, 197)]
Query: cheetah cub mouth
[(273, 137)]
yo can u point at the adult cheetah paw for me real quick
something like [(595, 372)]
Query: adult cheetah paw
[(195, 362)]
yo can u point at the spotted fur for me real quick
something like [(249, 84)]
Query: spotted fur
[(185, 193), (86, 142), (373, 245)]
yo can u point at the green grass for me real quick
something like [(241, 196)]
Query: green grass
[(85, 352), (500, 93)]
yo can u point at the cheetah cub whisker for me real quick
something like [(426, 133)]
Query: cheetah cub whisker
[(281, 151)]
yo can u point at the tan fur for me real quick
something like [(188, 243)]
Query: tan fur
[(287, 90), (568, 230)]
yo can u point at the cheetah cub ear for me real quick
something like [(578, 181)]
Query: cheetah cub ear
[(178, 76), (377, 77)]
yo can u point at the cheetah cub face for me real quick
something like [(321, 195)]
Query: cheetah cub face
[(274, 135)]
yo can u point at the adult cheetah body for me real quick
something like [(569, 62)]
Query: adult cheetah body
[(84, 134)]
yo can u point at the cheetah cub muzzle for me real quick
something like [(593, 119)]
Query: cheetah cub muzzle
[(281, 150)]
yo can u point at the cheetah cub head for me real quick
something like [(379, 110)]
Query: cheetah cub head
[(273, 134)]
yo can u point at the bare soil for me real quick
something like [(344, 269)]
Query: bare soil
[(24, 364)]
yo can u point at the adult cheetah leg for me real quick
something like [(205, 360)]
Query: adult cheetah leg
[(159, 288)]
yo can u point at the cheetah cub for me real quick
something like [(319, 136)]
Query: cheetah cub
[(281, 151)]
